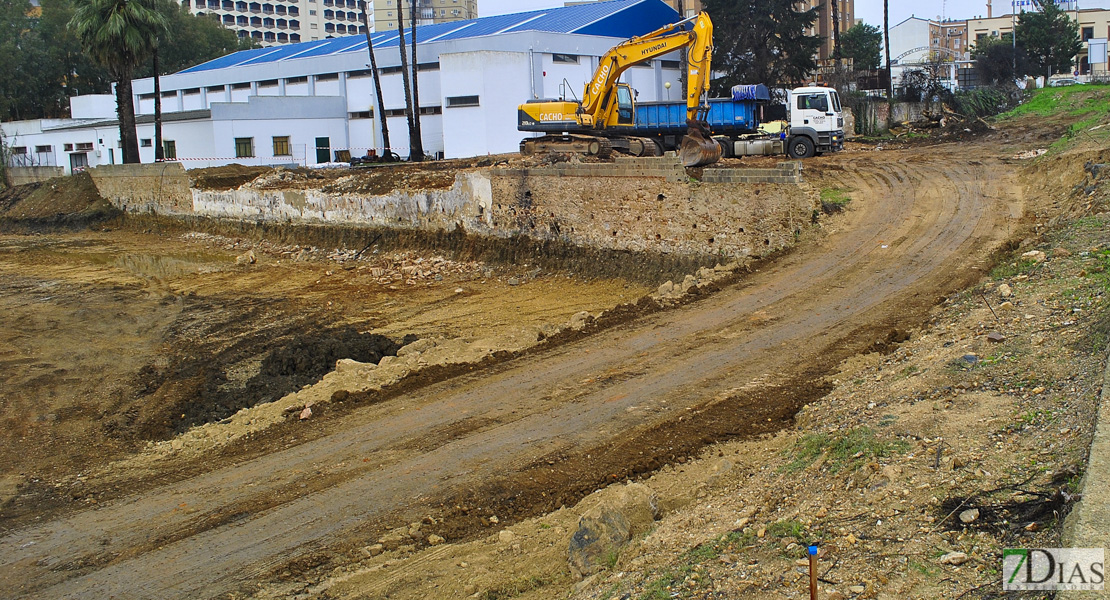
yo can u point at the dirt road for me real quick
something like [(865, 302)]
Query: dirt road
[(544, 430)]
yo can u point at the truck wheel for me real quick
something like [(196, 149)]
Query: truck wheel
[(801, 147)]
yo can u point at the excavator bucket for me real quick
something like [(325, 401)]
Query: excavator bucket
[(698, 148)]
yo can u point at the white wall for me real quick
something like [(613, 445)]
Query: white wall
[(93, 106), (553, 74), (501, 81), (908, 35), (193, 101)]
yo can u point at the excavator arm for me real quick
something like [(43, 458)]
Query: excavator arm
[(695, 33)]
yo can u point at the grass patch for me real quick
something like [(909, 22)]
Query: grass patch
[(669, 584), (834, 200), (789, 529), (1072, 100), (1012, 269), (516, 587), (924, 569), (847, 450)]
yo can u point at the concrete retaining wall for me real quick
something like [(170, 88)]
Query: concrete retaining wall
[(637, 204), (25, 175)]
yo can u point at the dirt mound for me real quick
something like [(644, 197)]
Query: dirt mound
[(60, 202), (200, 388), (228, 177)]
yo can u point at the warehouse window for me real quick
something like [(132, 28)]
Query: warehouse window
[(244, 147), (43, 149), (281, 146), (564, 58), (169, 150), (457, 101), (146, 143)]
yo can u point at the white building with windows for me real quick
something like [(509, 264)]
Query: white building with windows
[(312, 102)]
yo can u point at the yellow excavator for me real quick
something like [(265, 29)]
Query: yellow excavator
[(603, 121)]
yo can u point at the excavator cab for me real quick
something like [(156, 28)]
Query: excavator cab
[(625, 109)]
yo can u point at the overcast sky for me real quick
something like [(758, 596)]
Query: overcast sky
[(870, 11)]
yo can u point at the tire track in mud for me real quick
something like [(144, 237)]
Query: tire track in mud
[(559, 423)]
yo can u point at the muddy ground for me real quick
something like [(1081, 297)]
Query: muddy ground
[(461, 436)]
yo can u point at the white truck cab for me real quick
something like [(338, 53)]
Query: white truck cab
[(816, 122)]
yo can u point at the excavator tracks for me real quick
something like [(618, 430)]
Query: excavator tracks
[(567, 144)]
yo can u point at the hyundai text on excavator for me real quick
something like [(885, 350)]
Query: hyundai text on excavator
[(603, 120)]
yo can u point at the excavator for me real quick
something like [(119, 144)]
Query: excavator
[(593, 126)]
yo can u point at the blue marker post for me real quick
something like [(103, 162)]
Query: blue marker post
[(813, 572)]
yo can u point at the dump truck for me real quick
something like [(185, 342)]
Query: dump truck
[(810, 122)]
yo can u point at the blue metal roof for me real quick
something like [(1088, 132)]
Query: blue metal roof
[(614, 18)]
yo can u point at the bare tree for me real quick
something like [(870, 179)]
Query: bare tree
[(886, 47), (377, 80), (159, 150), (405, 77), (417, 152)]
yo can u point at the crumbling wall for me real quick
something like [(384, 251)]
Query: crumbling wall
[(633, 204), (642, 206), (161, 188)]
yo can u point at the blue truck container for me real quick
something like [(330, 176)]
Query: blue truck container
[(725, 117)]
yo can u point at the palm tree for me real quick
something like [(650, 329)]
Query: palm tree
[(417, 152), (120, 34), (377, 80)]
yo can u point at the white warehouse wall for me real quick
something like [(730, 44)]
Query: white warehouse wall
[(501, 82)]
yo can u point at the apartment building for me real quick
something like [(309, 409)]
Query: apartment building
[(428, 12), (826, 26), (1094, 23), (686, 8)]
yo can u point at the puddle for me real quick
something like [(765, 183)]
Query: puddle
[(161, 267)]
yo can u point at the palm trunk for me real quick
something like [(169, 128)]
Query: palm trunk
[(417, 145), (405, 74), (125, 110), (836, 28), (886, 47), (159, 149), (377, 80)]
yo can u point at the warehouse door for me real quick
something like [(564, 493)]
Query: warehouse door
[(323, 150)]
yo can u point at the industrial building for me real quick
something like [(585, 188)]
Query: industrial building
[(310, 102)]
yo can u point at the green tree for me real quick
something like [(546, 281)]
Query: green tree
[(69, 70), (15, 28), (761, 41), (1050, 38), (997, 61), (120, 34), (190, 40), (863, 44)]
